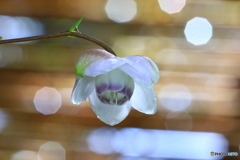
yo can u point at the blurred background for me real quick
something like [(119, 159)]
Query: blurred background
[(195, 44)]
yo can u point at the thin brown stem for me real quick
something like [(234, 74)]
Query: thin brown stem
[(62, 34)]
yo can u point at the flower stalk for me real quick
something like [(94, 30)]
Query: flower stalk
[(62, 34)]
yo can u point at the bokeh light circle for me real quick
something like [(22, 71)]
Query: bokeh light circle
[(198, 31), (51, 150), (47, 100), (17, 27), (24, 155), (121, 10), (136, 143), (172, 6), (175, 97), (100, 145)]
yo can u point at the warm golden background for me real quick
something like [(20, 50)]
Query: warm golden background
[(198, 92)]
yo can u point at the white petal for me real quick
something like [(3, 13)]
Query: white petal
[(103, 66), (144, 99), (89, 57), (140, 77), (143, 66), (128, 86), (109, 114), (83, 87)]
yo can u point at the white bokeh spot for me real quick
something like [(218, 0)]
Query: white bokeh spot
[(175, 97), (24, 155), (121, 10), (172, 6), (47, 100), (143, 144), (51, 151), (17, 27), (198, 31), (100, 145)]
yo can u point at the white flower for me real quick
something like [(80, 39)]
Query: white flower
[(114, 84)]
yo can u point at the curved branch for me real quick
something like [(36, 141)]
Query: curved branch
[(62, 34)]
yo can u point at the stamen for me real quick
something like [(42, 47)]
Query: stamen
[(111, 97), (115, 97)]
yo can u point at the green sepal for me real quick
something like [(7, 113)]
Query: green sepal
[(80, 68)]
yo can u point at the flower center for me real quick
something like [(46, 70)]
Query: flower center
[(113, 98), (114, 88)]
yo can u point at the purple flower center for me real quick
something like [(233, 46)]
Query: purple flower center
[(115, 98), (114, 88)]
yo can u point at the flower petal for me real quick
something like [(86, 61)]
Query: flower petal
[(143, 69), (83, 87), (89, 57), (128, 86), (116, 80), (109, 114), (103, 66), (101, 83), (144, 99), (140, 77)]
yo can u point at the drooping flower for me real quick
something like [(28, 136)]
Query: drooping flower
[(114, 84)]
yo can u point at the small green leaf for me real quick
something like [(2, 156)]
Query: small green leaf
[(75, 26), (0, 37)]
